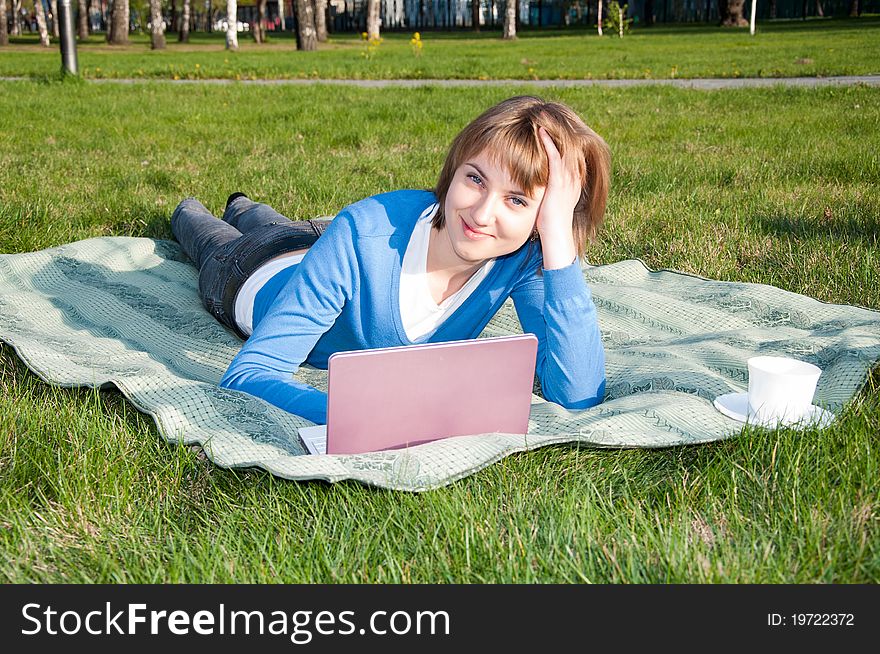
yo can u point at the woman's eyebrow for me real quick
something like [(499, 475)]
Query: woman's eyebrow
[(484, 176)]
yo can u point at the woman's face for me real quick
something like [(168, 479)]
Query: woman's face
[(486, 214)]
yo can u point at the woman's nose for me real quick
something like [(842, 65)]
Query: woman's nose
[(482, 212)]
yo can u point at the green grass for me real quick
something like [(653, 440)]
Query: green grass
[(839, 46), (764, 185)]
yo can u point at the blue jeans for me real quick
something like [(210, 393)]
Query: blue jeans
[(228, 251)]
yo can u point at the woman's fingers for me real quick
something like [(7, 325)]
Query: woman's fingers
[(552, 152), (559, 175)]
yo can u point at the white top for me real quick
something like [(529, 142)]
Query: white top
[(244, 299), (419, 313)]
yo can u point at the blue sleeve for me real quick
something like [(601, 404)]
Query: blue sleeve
[(558, 308), (306, 307)]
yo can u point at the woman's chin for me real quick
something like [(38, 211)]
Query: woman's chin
[(473, 253)]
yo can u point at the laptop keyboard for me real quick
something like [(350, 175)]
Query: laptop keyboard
[(314, 438)]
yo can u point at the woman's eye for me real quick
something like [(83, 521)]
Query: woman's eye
[(476, 179), (518, 202)]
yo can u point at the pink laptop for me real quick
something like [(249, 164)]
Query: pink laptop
[(402, 396)]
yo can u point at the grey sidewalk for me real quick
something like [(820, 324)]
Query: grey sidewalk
[(705, 83)]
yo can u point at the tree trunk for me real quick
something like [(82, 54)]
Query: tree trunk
[(475, 15), (731, 12), (648, 18), (772, 8), (41, 23), (510, 20), (372, 19), (819, 11), (231, 23), (157, 28), (4, 34), (255, 25), (599, 18), (259, 30), (306, 36), (119, 23), (82, 20), (854, 8), (183, 23), (172, 26), (16, 17), (53, 7), (321, 20), (281, 14)]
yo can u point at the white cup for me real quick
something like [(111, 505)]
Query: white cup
[(781, 389)]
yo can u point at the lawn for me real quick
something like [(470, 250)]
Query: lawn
[(839, 46), (776, 186)]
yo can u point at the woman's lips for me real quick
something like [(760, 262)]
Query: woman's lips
[(472, 233)]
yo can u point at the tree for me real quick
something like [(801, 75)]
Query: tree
[(854, 9), (475, 15), (185, 19), (731, 12), (306, 35), (772, 8), (157, 26), (510, 20), (372, 19), (119, 23), (231, 23), (41, 23), (4, 35), (259, 30), (16, 17), (649, 13), (599, 18), (107, 17), (819, 11), (82, 20), (321, 19), (53, 7), (617, 22)]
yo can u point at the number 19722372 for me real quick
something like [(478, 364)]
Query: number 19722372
[(811, 620)]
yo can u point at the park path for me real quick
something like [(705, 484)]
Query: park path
[(699, 83)]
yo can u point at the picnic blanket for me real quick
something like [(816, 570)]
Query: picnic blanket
[(125, 311)]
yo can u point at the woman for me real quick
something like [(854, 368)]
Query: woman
[(522, 191)]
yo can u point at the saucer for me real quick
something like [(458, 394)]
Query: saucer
[(736, 406)]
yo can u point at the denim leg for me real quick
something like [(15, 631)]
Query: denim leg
[(226, 257), (199, 232), (244, 215), (230, 265)]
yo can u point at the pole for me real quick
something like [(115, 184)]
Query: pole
[(752, 18), (68, 42)]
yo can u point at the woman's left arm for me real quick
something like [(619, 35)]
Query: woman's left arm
[(556, 213), (557, 306)]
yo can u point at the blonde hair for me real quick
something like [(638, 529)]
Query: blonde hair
[(508, 132)]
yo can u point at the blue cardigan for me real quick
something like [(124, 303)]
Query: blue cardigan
[(345, 296)]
